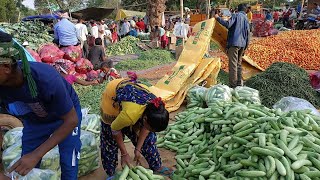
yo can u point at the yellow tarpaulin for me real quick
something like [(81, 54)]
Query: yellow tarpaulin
[(126, 13)]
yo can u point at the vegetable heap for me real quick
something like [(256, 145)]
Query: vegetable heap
[(126, 45), (147, 59), (35, 33), (233, 140), (90, 96), (136, 173), (298, 47), (281, 80)]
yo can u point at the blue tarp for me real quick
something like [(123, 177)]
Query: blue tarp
[(41, 17), (30, 58)]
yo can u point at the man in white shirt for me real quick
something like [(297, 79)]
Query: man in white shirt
[(108, 36), (94, 30), (133, 23), (82, 33)]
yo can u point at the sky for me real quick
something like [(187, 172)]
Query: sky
[(29, 3)]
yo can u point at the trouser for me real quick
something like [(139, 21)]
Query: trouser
[(109, 149), (85, 49), (235, 69), (35, 134)]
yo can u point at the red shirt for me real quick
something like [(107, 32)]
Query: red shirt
[(276, 15), (141, 25)]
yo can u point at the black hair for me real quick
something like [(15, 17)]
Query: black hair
[(249, 7), (157, 117), (107, 64), (242, 7), (98, 41), (315, 4)]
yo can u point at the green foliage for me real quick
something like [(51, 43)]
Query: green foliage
[(8, 11), (147, 59)]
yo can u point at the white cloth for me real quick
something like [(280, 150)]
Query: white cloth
[(95, 31), (162, 31), (101, 28), (181, 30), (82, 31), (132, 24)]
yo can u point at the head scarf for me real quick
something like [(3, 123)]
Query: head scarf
[(10, 52)]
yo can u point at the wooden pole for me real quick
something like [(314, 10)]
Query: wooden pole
[(208, 8), (181, 8), (301, 10)]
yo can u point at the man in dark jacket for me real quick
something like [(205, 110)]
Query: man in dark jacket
[(238, 41)]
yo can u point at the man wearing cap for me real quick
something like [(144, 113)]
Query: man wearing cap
[(65, 32), (46, 103)]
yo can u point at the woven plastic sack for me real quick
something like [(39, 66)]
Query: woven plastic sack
[(72, 53), (35, 55), (49, 53), (93, 75), (11, 137), (89, 154), (289, 103), (218, 93), (83, 66), (196, 97), (67, 65), (247, 94)]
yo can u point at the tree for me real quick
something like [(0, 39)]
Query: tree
[(8, 11)]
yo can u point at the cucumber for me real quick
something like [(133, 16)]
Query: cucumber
[(299, 163), (245, 173), (286, 150), (124, 173), (280, 168)]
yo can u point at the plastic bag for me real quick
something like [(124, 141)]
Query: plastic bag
[(49, 53), (51, 160), (247, 94), (36, 174), (218, 93), (72, 53), (289, 103), (35, 55), (83, 66), (11, 154), (196, 97), (89, 154), (11, 137)]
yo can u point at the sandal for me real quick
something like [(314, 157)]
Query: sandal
[(164, 172)]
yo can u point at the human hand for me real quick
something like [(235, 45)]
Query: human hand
[(25, 164), (137, 156), (125, 160), (96, 82)]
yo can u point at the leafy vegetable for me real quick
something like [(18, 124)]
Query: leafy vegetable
[(282, 80), (35, 33), (90, 96), (147, 59), (126, 45)]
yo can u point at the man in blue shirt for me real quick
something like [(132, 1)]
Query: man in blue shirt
[(65, 33), (48, 106), (237, 43)]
